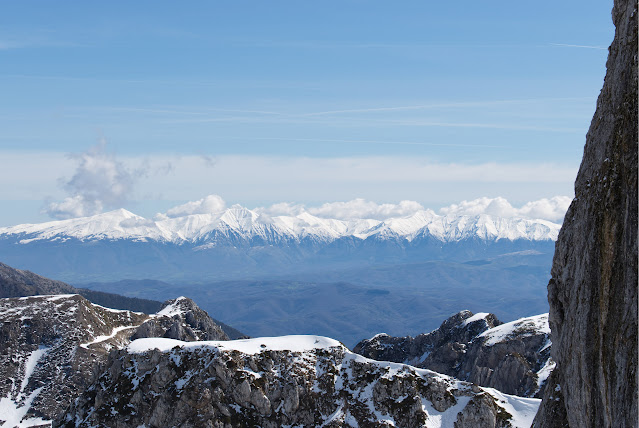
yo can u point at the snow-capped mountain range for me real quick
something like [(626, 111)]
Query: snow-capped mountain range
[(238, 243), (246, 225)]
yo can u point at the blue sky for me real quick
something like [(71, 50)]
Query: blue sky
[(276, 91)]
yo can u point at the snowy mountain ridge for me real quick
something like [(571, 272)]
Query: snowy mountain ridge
[(281, 381), (241, 223)]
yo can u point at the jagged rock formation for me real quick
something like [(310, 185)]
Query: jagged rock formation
[(593, 289), (51, 347), (511, 357), (285, 381), (181, 319)]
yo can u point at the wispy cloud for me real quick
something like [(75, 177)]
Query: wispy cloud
[(364, 45), (182, 83), (37, 40), (484, 125), (489, 114), (566, 45), (11, 44), (407, 143), (202, 112), (445, 104)]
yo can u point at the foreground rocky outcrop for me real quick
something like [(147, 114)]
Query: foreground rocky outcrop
[(52, 347), (48, 349), (593, 288), (513, 357), (283, 381)]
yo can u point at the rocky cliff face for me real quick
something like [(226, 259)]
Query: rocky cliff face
[(51, 348), (512, 357), (275, 382), (593, 289)]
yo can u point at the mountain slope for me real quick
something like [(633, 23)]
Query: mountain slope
[(22, 283), (19, 283)]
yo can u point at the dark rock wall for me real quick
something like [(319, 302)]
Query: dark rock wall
[(593, 289)]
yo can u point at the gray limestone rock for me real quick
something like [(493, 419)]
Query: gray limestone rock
[(593, 287)]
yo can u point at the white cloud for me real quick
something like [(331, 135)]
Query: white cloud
[(74, 206), (100, 181), (207, 205), (552, 209), (267, 180), (360, 208), (281, 208)]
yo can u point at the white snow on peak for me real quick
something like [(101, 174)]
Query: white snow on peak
[(476, 317), (241, 223), (522, 327), (405, 227), (172, 309), (295, 343)]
